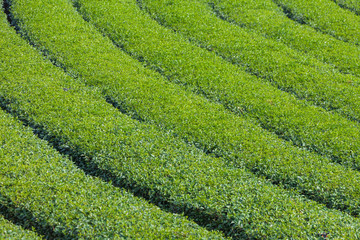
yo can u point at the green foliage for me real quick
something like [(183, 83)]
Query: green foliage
[(266, 18), (353, 5), (284, 67), (40, 185), (46, 190), (10, 231), (152, 163), (146, 95), (203, 72), (78, 121), (325, 16)]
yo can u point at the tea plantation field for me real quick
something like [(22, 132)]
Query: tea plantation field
[(180, 119)]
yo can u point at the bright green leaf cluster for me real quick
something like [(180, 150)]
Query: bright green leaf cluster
[(79, 122), (44, 189), (325, 16), (202, 71), (10, 231), (353, 5), (284, 67), (267, 18), (145, 95), (38, 184)]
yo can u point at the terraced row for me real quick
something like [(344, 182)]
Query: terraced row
[(285, 68), (138, 156), (265, 17), (145, 95), (325, 16), (353, 5), (11, 231), (204, 72), (47, 191)]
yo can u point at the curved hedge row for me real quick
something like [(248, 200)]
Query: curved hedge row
[(145, 95), (10, 231), (325, 16), (268, 19), (48, 191), (43, 187), (285, 68), (201, 71), (353, 5), (154, 163)]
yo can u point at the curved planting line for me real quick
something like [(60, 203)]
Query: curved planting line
[(282, 66), (206, 125), (16, 211), (42, 187), (266, 18), (46, 190), (325, 16), (352, 5), (201, 71), (154, 162), (10, 231)]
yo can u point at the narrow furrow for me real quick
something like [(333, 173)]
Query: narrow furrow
[(325, 16), (153, 163), (352, 5), (266, 18), (10, 231), (45, 191), (145, 95), (205, 73), (13, 207), (285, 68)]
